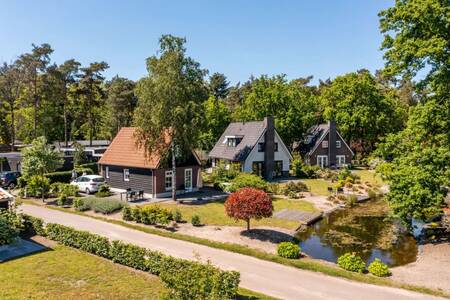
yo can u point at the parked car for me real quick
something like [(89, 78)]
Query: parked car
[(9, 179), (88, 183)]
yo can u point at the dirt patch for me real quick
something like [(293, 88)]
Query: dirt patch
[(432, 268)]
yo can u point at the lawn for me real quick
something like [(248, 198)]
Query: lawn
[(213, 213), (369, 176), (66, 273), (318, 186)]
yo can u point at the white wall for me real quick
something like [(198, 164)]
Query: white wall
[(281, 154)]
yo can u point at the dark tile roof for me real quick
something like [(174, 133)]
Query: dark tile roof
[(313, 135), (250, 133)]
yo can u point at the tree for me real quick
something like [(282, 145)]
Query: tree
[(40, 158), (170, 102), (364, 110), (11, 80), (217, 117), (248, 203), (218, 86), (120, 105), (79, 156), (417, 40), (34, 66), (91, 94), (293, 104)]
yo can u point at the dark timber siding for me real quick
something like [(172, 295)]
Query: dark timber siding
[(324, 151), (140, 179), (160, 175)]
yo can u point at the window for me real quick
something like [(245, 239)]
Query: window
[(275, 147), (258, 168), (340, 159), (338, 144), (188, 179), (260, 147), (325, 144), (168, 181), (106, 172), (278, 168), (233, 142), (126, 175), (322, 161)]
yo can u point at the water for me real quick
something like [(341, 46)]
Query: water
[(363, 229)]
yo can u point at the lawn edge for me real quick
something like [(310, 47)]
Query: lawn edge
[(244, 250)]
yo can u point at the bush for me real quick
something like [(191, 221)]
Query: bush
[(195, 220), (92, 166), (38, 186), (247, 180), (103, 191), (106, 206), (33, 225), (288, 250), (378, 268), (149, 215), (81, 204), (177, 216), (294, 187), (301, 170), (351, 262), (372, 194), (63, 189), (10, 226), (274, 188), (62, 200), (351, 200), (185, 279), (126, 213), (64, 176)]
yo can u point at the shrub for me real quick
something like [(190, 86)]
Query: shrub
[(248, 203), (378, 268), (288, 250), (93, 166), (38, 186), (10, 226), (149, 215), (195, 220), (81, 204), (351, 200), (128, 255), (177, 216), (244, 180), (371, 193), (351, 262), (294, 187), (62, 200), (199, 281), (33, 225), (64, 176), (106, 206), (103, 191), (274, 188), (310, 171), (59, 188), (126, 213)]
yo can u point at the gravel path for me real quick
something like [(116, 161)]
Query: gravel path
[(259, 275)]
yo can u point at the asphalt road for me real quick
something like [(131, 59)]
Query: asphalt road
[(258, 275)]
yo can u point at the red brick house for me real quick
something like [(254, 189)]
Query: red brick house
[(124, 165)]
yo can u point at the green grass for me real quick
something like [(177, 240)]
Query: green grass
[(65, 273), (318, 186), (213, 213), (305, 264), (369, 176)]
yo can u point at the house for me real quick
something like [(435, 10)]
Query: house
[(10, 161), (92, 153), (5, 199), (254, 147), (124, 165), (325, 147)]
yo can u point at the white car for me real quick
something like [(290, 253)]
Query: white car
[(88, 183)]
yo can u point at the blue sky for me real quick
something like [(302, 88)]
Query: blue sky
[(237, 38)]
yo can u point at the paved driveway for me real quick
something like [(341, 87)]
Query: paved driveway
[(258, 275)]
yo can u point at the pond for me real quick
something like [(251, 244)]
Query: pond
[(363, 229)]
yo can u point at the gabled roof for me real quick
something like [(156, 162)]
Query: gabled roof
[(250, 132), (123, 151)]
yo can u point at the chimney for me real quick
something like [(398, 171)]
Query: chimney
[(269, 150), (332, 143)]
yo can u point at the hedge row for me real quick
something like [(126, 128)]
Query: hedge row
[(185, 279)]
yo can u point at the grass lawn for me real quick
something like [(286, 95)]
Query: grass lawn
[(318, 186), (213, 213), (369, 176), (66, 273)]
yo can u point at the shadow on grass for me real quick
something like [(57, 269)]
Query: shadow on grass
[(20, 249), (267, 235)]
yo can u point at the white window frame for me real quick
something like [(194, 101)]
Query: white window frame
[(338, 144), (321, 158), (107, 172), (186, 171), (338, 160), (168, 175), (126, 174), (325, 144)]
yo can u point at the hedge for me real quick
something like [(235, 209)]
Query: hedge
[(185, 279), (66, 176)]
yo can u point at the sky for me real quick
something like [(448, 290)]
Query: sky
[(323, 38)]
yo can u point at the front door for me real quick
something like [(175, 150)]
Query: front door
[(322, 161), (188, 179)]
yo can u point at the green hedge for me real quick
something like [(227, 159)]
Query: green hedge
[(92, 166), (351, 262), (63, 176), (149, 215), (185, 279), (104, 206), (288, 250)]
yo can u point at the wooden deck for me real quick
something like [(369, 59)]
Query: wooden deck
[(304, 217)]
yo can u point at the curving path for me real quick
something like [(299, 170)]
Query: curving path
[(258, 275)]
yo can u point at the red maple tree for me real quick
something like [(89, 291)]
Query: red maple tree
[(248, 203)]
